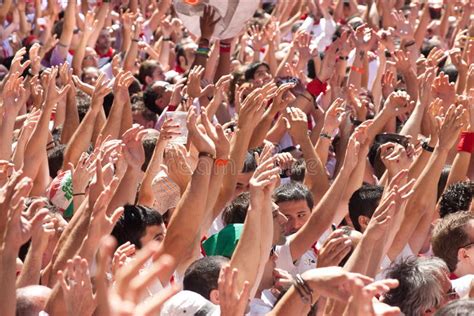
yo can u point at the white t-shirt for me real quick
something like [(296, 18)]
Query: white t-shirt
[(386, 262), (263, 305), (285, 262)]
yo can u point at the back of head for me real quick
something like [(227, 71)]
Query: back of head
[(293, 191), (133, 223), (419, 287), (236, 211), (457, 308), (202, 275), (31, 300), (450, 235), (457, 197), (364, 202)]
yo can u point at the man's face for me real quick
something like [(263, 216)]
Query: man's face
[(242, 185), (297, 213), (449, 293), (90, 75), (466, 254), (153, 232), (279, 223), (91, 59), (138, 118), (262, 76), (103, 42), (163, 96), (158, 74)]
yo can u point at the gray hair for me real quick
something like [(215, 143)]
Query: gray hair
[(420, 287)]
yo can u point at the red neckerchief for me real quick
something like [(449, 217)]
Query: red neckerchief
[(315, 250), (71, 52), (109, 53), (179, 70), (453, 276)]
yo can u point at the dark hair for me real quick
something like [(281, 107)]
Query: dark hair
[(457, 197), (250, 164), (450, 235), (443, 179), (133, 223), (55, 159), (83, 102), (202, 275), (462, 307), (451, 71), (236, 211), (298, 170), (364, 202), (252, 68), (146, 70), (149, 144), (293, 191)]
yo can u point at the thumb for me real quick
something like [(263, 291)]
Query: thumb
[(287, 123)]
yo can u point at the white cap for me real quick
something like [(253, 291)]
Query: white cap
[(187, 303)]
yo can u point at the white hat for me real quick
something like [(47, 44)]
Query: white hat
[(187, 303)]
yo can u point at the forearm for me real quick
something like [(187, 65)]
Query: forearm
[(80, 140), (461, 82), (8, 275), (79, 56), (459, 168), (355, 77), (127, 190), (413, 124), (114, 121), (30, 273), (322, 148), (411, 84), (131, 56), (71, 122), (290, 304), (6, 135), (127, 118), (262, 129), (19, 153), (181, 231), (223, 66), (146, 196), (315, 175)]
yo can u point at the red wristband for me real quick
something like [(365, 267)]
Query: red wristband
[(224, 49), (466, 143), (316, 87)]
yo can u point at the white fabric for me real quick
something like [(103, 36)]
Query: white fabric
[(386, 262), (263, 305)]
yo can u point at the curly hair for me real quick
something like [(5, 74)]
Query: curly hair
[(457, 197)]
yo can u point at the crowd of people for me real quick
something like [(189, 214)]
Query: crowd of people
[(317, 162)]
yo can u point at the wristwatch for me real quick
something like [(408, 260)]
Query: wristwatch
[(427, 147)]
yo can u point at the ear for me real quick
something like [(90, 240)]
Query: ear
[(214, 296), (363, 221), (462, 254)]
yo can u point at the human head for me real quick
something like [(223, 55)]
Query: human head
[(91, 59), (157, 96), (295, 202), (258, 73), (243, 178), (363, 204), (104, 40), (141, 114), (202, 276), (55, 159), (279, 225), (457, 197), (150, 71), (31, 300), (462, 307), (90, 75), (453, 241), (185, 55), (139, 225), (423, 287), (236, 211)]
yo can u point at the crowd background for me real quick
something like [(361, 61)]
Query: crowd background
[(318, 162)]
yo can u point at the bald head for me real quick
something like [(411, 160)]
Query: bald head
[(31, 300)]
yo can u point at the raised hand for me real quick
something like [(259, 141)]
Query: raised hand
[(77, 288), (333, 282), (404, 28), (444, 90), (451, 127), (198, 138), (402, 60), (208, 22), (53, 94), (251, 110), (194, 82), (35, 58), (124, 251), (13, 95), (365, 37), (398, 103), (216, 134), (334, 116), (394, 157), (296, 123), (121, 84), (256, 36), (133, 150), (302, 46), (232, 300), (101, 90), (266, 174), (16, 65), (336, 247)]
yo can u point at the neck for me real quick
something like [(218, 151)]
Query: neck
[(462, 270)]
